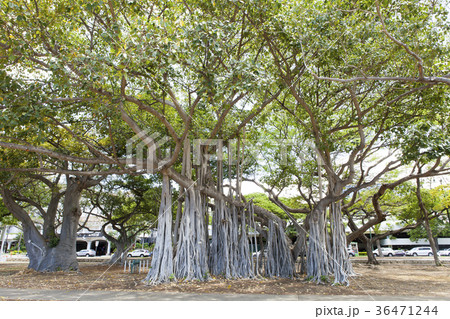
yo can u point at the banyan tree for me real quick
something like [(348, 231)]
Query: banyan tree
[(228, 252), (100, 77)]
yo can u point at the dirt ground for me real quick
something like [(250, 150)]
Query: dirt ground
[(385, 279)]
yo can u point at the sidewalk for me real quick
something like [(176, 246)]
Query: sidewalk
[(95, 295)]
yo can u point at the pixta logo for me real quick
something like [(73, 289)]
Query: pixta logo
[(145, 150), (145, 161)]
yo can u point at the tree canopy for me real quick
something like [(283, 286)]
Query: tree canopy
[(326, 97)]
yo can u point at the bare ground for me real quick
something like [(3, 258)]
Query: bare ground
[(385, 279)]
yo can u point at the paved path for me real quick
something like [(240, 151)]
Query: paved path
[(93, 295)]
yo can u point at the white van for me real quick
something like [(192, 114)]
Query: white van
[(420, 251)]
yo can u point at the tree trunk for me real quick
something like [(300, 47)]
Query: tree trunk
[(432, 242), (244, 262), (35, 244), (371, 260), (317, 263), (380, 252), (222, 257), (185, 171), (342, 266), (63, 255), (300, 249), (279, 258), (47, 254), (191, 258), (162, 269), (3, 240), (427, 225), (123, 244), (19, 242)]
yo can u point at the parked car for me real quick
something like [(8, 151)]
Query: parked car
[(86, 253), (399, 252), (420, 251), (351, 253), (139, 253), (444, 252), (385, 251)]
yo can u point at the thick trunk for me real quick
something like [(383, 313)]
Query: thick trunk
[(162, 269), (221, 262), (191, 260), (342, 267), (223, 252), (317, 263), (35, 244), (279, 258), (51, 254), (42, 257), (34, 241), (244, 258), (63, 255), (300, 249), (57, 258), (191, 257)]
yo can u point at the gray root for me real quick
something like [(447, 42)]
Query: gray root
[(279, 258), (191, 257), (341, 265), (162, 269), (317, 267)]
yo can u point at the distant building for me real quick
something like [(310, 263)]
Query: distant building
[(11, 235), (93, 239), (85, 240)]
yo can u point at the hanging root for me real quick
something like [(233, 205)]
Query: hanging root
[(317, 266), (279, 258), (342, 266), (191, 258), (162, 262)]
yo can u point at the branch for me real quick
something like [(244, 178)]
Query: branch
[(407, 49)]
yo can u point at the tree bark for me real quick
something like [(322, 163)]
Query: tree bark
[(342, 267), (317, 262), (120, 253), (185, 171), (300, 249), (371, 259), (223, 250), (279, 258), (191, 258), (162, 269), (3, 239), (427, 224), (63, 255), (122, 243), (380, 252), (46, 251)]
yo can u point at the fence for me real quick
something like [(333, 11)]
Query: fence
[(132, 265)]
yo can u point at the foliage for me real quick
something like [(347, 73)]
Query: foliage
[(263, 201), (344, 80), (128, 204)]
